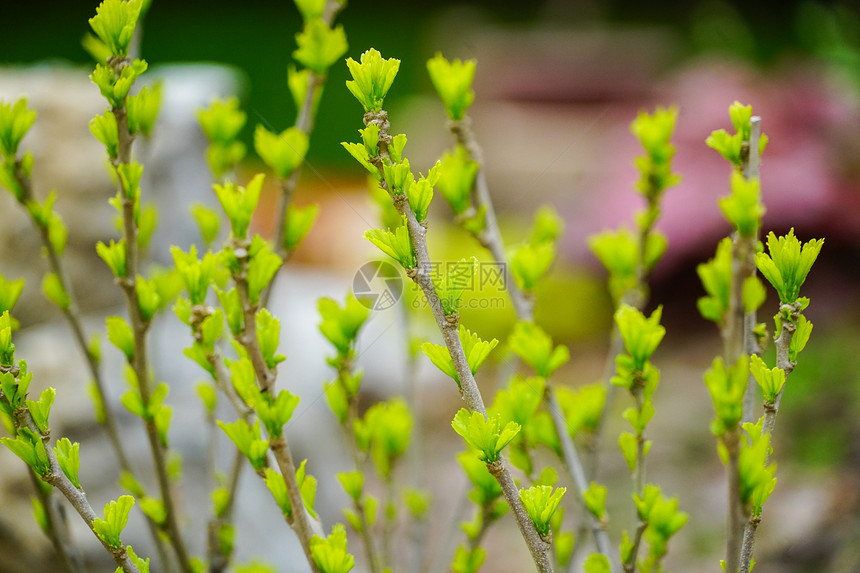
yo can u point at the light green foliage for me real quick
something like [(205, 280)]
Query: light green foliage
[(743, 208), (255, 567), (147, 220), (330, 554), (342, 391), (398, 175), (276, 412), (208, 397), (105, 129), (756, 476), (641, 335), (360, 153), (10, 292), (110, 528), (282, 152), (352, 483), (154, 509), (208, 221), (786, 264), (457, 278), (770, 380), (803, 328), (487, 489), (341, 324), (248, 441), (239, 203), (731, 147), (221, 123), (420, 192), (475, 349), (663, 518), (269, 335), (298, 224), (244, 379), (595, 499), (727, 387), (597, 563), (98, 406), (40, 515), (15, 121), (535, 348), (530, 263), (129, 175), (7, 349), (372, 77), (453, 83), (139, 562), (298, 81), (484, 434), (547, 226), (466, 561), (46, 217), (148, 298), (142, 109), (120, 335), (394, 244), (113, 86), (716, 277), (42, 409), (582, 407), (619, 253), (753, 294), (519, 403), (262, 266), (114, 23), (196, 274), (53, 290), (654, 132), (418, 502), (457, 172), (232, 306), (541, 502), (385, 432), (319, 46), (29, 446), (307, 487)]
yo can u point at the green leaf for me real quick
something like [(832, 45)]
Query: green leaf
[(222, 121), (115, 257), (727, 387), (453, 83), (262, 266), (208, 397), (654, 132), (320, 46), (484, 434), (457, 279), (547, 226), (298, 224), (597, 563), (394, 244), (352, 483), (753, 294), (121, 336), (530, 263), (582, 407), (340, 324), (787, 264), (330, 554), (535, 348), (196, 274), (239, 203), (468, 561), (716, 277), (52, 288), (278, 488), (475, 349), (275, 413), (385, 430), (595, 499), (310, 9), (770, 380), (10, 292), (208, 221), (31, 449), (269, 336), (42, 409), (7, 352), (232, 306), (420, 193), (541, 502), (247, 440), (743, 208), (148, 298), (520, 401), (114, 24), (110, 528), (15, 121), (142, 109), (641, 335), (359, 152), (281, 152), (629, 449), (153, 509), (104, 128), (372, 77), (457, 172)]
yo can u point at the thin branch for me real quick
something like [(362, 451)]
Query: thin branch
[(300, 521), (140, 327), (58, 528), (469, 391), (630, 564), (751, 171)]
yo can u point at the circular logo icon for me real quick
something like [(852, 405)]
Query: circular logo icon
[(377, 285)]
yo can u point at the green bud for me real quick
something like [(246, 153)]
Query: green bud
[(247, 440), (541, 502), (104, 128), (299, 83), (298, 224), (154, 509), (484, 434), (281, 152), (535, 348), (352, 483), (15, 121), (310, 9), (341, 324), (457, 172), (29, 446), (142, 109), (208, 221), (121, 336), (114, 24), (420, 193), (468, 561), (196, 274), (743, 208), (475, 349), (269, 334), (716, 277), (641, 335), (232, 306), (42, 409), (394, 244), (10, 292), (530, 263), (457, 279), (319, 46), (262, 266), (276, 412), (770, 380), (115, 516), (372, 77), (239, 203), (453, 83), (727, 387), (786, 264), (330, 554), (208, 397), (222, 121)]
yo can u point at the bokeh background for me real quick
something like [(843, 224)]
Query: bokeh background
[(557, 84)]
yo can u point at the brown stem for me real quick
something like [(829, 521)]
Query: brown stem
[(736, 518), (630, 564)]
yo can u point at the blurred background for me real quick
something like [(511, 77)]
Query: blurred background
[(557, 85)]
